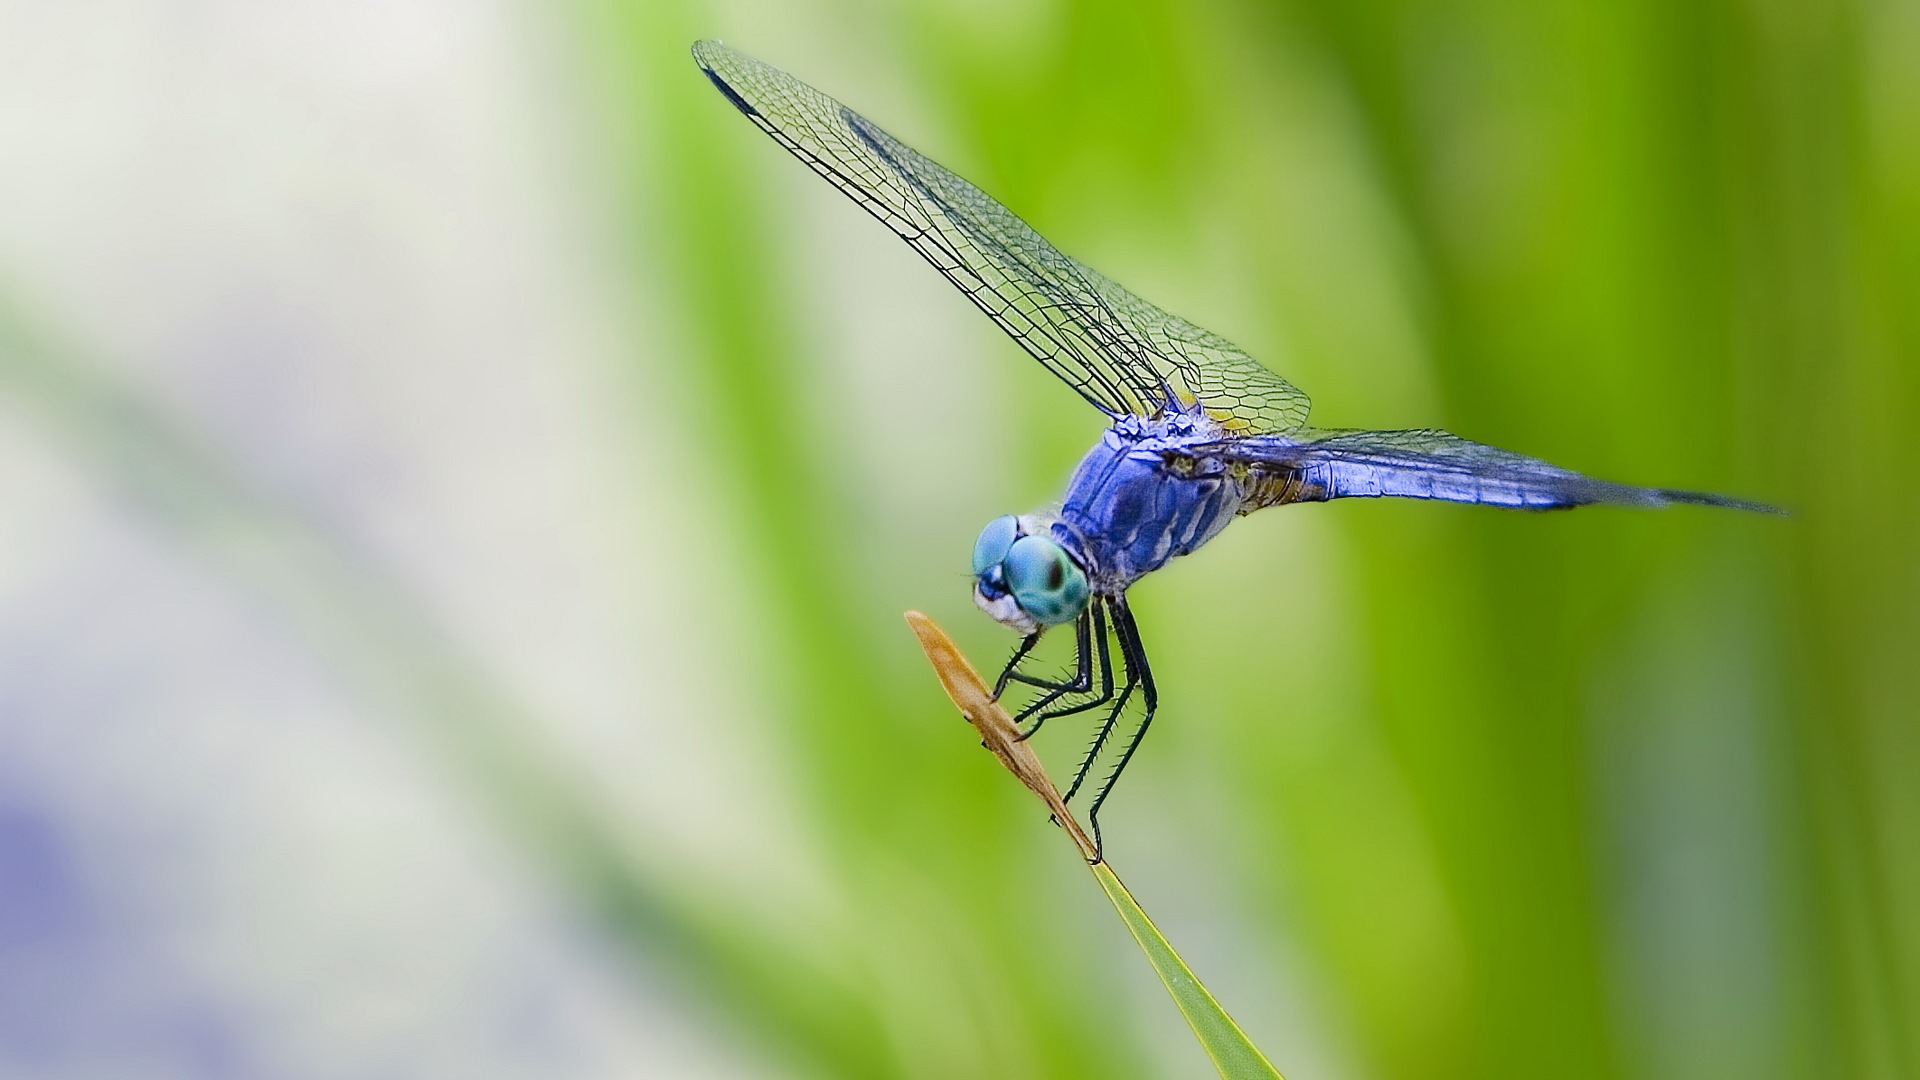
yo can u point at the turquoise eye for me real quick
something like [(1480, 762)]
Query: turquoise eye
[(994, 541), (1044, 582)]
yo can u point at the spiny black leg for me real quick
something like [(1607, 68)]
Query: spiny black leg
[(1081, 682), (1112, 717), (1077, 684), (1099, 620), (1019, 654), (1135, 656)]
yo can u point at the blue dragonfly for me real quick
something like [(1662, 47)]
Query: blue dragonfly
[(1201, 432)]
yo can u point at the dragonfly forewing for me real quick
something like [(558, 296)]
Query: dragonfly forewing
[(1121, 353)]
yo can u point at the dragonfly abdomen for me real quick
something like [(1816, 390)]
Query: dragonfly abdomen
[(1280, 486)]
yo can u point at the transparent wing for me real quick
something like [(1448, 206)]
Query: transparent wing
[(1121, 353), (1428, 464)]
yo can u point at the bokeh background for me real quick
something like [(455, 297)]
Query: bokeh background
[(459, 484)]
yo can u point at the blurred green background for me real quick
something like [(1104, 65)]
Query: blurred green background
[(459, 484)]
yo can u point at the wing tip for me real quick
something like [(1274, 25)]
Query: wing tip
[(1708, 498), (709, 52)]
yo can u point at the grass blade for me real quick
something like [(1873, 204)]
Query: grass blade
[(1232, 1053)]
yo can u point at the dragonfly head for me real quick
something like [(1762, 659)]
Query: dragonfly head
[(1024, 578)]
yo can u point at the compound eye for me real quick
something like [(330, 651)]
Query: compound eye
[(995, 539), (1044, 581)]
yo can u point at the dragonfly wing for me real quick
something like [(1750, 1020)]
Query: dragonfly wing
[(1121, 353), (1429, 464)]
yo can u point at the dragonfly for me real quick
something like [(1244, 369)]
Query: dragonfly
[(1199, 433)]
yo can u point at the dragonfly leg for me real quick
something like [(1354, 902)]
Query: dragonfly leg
[(1135, 656), (1007, 673), (1082, 682), (1110, 720), (1079, 684)]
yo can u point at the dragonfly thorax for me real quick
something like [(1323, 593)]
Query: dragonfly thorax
[(1145, 493), (1148, 492)]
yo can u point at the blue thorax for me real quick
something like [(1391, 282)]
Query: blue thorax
[(1137, 500)]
